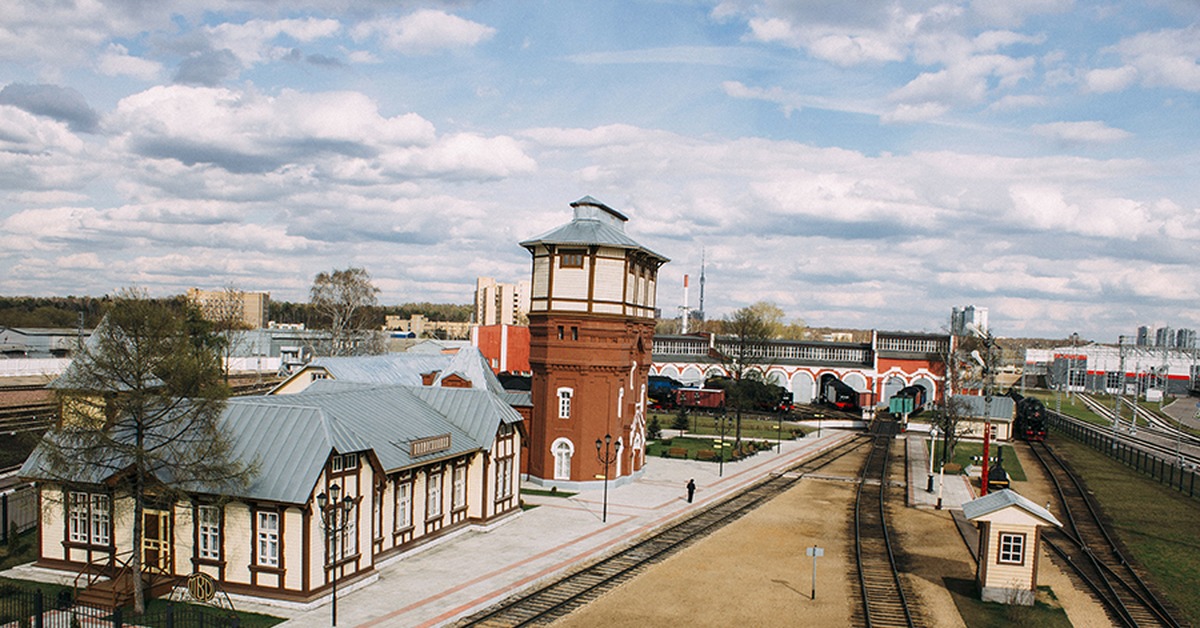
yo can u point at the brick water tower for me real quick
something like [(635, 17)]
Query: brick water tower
[(591, 323)]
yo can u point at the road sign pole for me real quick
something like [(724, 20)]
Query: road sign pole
[(815, 552)]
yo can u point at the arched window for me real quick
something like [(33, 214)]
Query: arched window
[(564, 402), (562, 450)]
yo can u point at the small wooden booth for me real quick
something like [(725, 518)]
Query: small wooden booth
[(1009, 540)]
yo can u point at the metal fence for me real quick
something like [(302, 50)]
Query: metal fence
[(34, 609), (1165, 470)]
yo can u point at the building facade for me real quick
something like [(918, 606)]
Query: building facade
[(247, 309), (591, 325), (412, 464), (500, 303)]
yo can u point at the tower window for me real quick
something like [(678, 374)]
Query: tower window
[(574, 333), (564, 402), (571, 258)]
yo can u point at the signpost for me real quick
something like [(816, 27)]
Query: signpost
[(815, 552)]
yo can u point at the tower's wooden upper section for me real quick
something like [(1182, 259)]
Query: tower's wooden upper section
[(590, 266)]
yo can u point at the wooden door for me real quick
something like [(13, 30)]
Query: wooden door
[(156, 540)]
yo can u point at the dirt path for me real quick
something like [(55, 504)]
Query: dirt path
[(754, 572)]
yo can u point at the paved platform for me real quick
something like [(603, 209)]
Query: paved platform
[(476, 569), (955, 489)]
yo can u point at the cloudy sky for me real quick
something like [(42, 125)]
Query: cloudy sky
[(863, 164)]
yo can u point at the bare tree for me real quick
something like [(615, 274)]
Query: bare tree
[(347, 301), (141, 406), (743, 352), (949, 411)]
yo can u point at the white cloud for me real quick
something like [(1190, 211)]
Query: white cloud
[(251, 41), (1087, 131), (116, 61), (1106, 80), (1165, 58), (903, 114), (424, 32), (1013, 102)]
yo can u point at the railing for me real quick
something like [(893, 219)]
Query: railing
[(112, 569), (1164, 470), (34, 609)]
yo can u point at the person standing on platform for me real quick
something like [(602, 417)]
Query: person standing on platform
[(691, 489)]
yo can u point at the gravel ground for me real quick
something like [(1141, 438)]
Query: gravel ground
[(754, 572)]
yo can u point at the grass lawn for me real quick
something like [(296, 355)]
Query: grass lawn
[(964, 452), (19, 550), (545, 493), (755, 428), (1156, 523), (699, 448), (1045, 612)]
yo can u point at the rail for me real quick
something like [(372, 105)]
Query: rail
[(884, 602), (1091, 551), (1178, 473), (573, 590)]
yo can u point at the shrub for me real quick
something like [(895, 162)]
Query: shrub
[(681, 420), (653, 429)]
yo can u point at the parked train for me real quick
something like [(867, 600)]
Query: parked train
[(666, 393), (840, 395), (908, 400), (1030, 422)]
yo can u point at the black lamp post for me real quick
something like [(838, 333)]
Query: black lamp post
[(606, 457), (721, 449), (335, 516)]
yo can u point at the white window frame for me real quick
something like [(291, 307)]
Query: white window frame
[(433, 496), (564, 402), (504, 477), (89, 520), (404, 505), (562, 450), (79, 517), (458, 492), (1010, 548), (101, 524), (268, 539), (208, 526)]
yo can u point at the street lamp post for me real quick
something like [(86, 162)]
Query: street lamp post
[(721, 447), (932, 440), (606, 457), (335, 516)]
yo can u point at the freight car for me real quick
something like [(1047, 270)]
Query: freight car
[(910, 400), (702, 399)]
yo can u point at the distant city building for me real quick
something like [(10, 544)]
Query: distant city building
[(246, 308), (1143, 336), (1185, 339), (1163, 337), (501, 303), (962, 319), (421, 327)]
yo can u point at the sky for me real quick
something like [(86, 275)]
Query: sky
[(864, 164)]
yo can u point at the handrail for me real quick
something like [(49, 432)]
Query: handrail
[(115, 570)]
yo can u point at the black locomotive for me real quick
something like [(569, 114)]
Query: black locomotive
[(1030, 423)]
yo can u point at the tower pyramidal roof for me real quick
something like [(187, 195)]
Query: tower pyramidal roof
[(594, 223)]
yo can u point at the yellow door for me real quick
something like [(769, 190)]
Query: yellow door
[(156, 540)]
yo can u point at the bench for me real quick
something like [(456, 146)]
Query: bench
[(677, 452), (706, 454)]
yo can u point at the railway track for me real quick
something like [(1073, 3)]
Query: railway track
[(575, 589), (1088, 547), (883, 597)]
